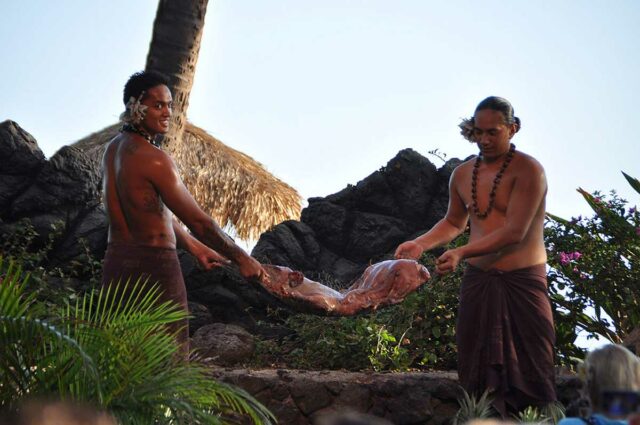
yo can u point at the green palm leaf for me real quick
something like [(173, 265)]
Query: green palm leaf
[(635, 183), (13, 301), (112, 350), (36, 357), (139, 359), (558, 219)]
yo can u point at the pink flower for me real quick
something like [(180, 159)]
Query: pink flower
[(583, 275), (565, 258), (597, 199), (575, 270), (638, 231)]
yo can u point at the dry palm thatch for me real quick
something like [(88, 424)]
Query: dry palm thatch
[(232, 187)]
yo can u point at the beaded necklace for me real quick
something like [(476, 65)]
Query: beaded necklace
[(494, 188), (133, 129)]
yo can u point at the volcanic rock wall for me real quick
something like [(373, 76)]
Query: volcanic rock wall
[(64, 191), (340, 235)]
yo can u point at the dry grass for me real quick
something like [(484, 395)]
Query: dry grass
[(232, 187)]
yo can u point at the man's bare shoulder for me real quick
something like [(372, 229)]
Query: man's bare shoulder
[(463, 169), (110, 147), (142, 152), (526, 163)]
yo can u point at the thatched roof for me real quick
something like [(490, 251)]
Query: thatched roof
[(229, 185)]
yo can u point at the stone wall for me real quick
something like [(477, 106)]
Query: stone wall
[(301, 397)]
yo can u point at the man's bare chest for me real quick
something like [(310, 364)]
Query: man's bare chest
[(486, 189)]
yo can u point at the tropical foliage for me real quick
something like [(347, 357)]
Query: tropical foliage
[(472, 407), (595, 278), (418, 333), (51, 285), (594, 284), (550, 414), (109, 351)]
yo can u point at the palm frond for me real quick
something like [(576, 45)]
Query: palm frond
[(35, 355), (13, 300), (139, 358), (125, 305), (192, 389), (110, 348)]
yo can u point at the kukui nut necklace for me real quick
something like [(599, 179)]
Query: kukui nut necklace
[(133, 129), (496, 182)]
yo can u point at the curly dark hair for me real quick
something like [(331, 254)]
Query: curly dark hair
[(143, 81)]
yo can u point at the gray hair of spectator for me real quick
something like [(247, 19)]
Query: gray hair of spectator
[(610, 368)]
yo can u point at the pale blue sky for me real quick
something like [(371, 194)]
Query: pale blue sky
[(325, 92)]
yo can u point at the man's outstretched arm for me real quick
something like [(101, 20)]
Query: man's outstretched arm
[(207, 257), (447, 229), (164, 176)]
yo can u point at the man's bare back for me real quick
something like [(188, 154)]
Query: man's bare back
[(143, 189), (136, 211)]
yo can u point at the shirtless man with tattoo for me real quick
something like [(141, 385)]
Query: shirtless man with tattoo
[(142, 191)]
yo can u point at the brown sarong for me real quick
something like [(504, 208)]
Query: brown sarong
[(160, 266), (505, 337)]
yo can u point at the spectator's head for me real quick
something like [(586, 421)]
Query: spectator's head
[(55, 412), (351, 418), (610, 368)]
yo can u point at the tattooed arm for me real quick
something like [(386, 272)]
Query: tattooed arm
[(207, 257), (165, 178)]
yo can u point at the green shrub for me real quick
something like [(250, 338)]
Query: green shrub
[(111, 353), (594, 268), (417, 333), (53, 285), (472, 407), (550, 414), (22, 245)]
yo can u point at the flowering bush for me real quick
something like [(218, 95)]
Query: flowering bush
[(594, 279), (594, 285)]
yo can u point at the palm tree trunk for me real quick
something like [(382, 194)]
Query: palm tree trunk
[(174, 49)]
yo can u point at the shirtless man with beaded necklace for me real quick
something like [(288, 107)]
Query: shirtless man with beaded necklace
[(505, 329), (142, 191)]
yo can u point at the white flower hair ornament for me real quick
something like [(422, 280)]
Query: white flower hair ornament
[(135, 110), (466, 129)]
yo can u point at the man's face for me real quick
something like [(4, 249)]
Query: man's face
[(491, 133), (159, 103)]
